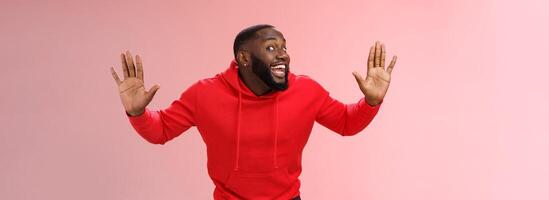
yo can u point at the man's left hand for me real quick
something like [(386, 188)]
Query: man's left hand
[(375, 85)]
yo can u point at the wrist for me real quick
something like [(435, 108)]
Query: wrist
[(135, 113), (372, 102)]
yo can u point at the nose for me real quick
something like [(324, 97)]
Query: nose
[(282, 55)]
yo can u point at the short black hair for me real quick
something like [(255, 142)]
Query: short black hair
[(246, 34)]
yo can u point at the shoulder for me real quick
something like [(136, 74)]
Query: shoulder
[(208, 82), (200, 85), (305, 80), (307, 83)]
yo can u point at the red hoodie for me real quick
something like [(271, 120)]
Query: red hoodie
[(254, 143)]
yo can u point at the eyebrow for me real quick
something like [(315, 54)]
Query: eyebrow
[(274, 38)]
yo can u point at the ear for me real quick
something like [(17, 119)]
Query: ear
[(243, 58)]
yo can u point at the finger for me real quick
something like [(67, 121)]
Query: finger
[(115, 76), (382, 56), (392, 65), (371, 58), (129, 62), (139, 67), (358, 78), (377, 59), (152, 91), (124, 66)]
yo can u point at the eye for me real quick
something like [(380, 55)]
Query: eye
[(284, 48), (270, 48)]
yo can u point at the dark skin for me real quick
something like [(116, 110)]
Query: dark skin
[(269, 47)]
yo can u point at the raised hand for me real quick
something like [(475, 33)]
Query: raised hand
[(375, 85), (132, 90)]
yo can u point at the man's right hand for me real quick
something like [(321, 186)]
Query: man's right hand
[(132, 90)]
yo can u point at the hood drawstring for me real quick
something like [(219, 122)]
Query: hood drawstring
[(238, 128), (239, 119), (276, 132), (238, 125)]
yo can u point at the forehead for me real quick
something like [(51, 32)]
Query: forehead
[(267, 34)]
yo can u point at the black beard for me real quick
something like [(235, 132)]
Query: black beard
[(264, 72)]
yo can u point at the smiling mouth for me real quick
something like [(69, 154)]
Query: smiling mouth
[(279, 71)]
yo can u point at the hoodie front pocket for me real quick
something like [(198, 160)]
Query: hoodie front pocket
[(267, 185)]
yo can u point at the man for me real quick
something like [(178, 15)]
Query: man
[(255, 117)]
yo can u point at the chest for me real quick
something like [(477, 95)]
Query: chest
[(290, 119)]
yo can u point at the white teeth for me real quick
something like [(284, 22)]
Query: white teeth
[(278, 71), (279, 67)]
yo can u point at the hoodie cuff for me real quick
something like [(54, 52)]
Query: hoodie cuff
[(140, 119), (365, 107)]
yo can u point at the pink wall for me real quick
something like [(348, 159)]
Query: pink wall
[(465, 117)]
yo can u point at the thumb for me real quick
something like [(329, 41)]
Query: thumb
[(152, 91), (358, 78)]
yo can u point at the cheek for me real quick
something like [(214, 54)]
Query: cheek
[(263, 56), (268, 58)]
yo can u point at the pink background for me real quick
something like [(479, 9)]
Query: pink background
[(465, 117)]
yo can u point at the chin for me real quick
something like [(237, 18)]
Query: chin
[(280, 81), (283, 81)]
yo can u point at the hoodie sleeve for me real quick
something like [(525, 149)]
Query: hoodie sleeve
[(345, 119), (161, 126)]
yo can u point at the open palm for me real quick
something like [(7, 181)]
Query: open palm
[(132, 89), (375, 85)]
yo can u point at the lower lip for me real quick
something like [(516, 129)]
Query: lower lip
[(279, 73)]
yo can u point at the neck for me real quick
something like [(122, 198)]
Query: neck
[(254, 83)]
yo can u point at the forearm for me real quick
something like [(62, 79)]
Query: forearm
[(347, 119), (157, 127), (149, 126), (358, 116)]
